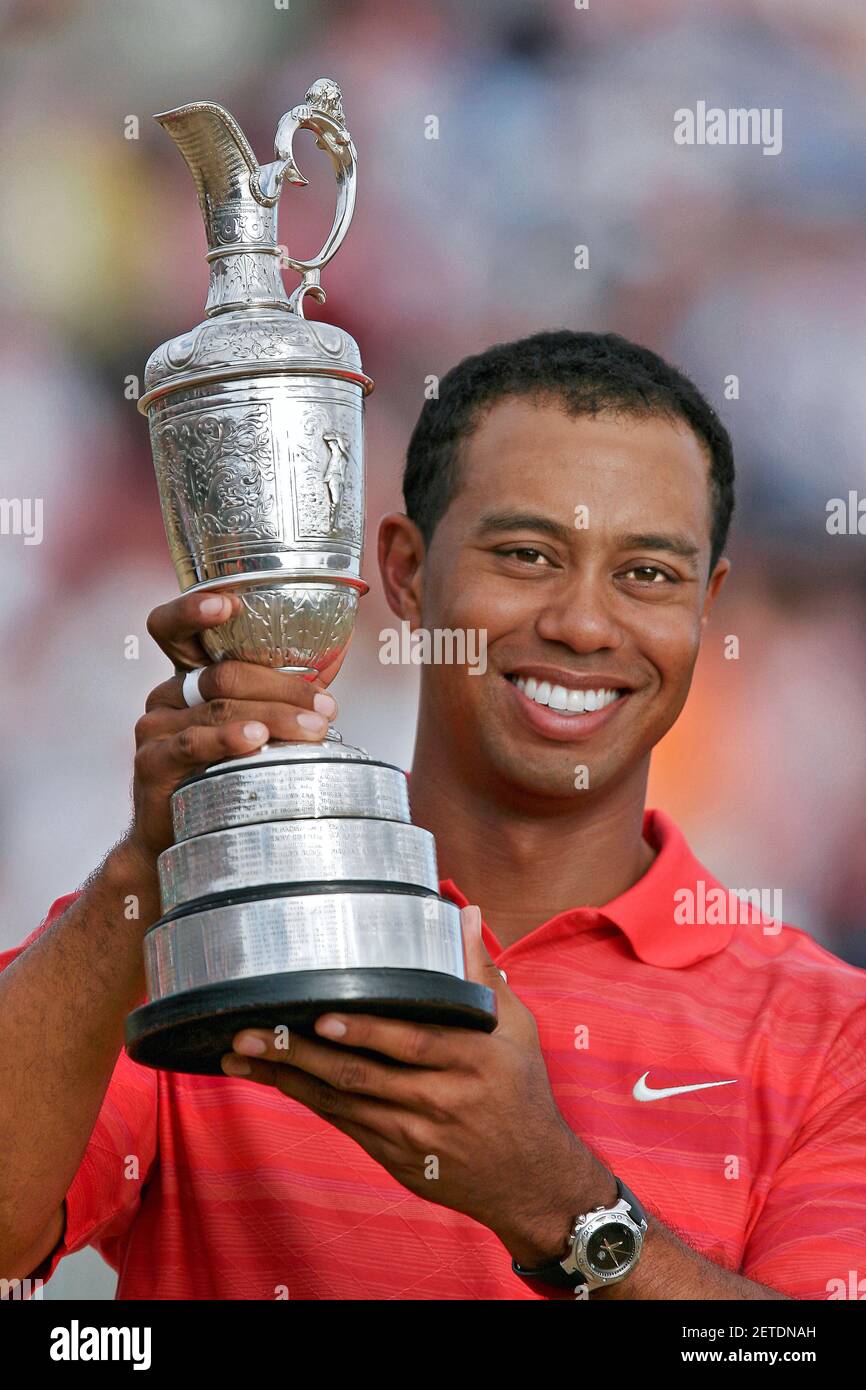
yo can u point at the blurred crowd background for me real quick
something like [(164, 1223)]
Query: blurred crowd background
[(555, 129)]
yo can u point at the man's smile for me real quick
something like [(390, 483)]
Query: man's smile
[(567, 708)]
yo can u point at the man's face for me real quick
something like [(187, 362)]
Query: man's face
[(581, 547)]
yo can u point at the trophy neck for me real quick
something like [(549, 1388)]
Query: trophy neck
[(245, 277), (244, 259)]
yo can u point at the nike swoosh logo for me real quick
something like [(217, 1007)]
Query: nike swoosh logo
[(644, 1092)]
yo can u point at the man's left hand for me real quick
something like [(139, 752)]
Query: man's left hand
[(461, 1118)]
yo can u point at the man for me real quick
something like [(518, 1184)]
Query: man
[(568, 495)]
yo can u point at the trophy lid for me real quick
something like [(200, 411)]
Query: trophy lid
[(252, 325), (252, 342)]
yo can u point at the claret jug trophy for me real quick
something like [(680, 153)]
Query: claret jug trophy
[(297, 882)]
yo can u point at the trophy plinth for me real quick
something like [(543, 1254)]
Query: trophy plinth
[(297, 883)]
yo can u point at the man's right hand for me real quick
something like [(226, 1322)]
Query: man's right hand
[(244, 705)]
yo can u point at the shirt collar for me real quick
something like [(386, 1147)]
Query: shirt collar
[(645, 912)]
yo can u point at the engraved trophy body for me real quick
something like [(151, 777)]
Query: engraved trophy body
[(297, 882)]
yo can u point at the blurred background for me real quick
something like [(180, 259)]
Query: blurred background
[(555, 130)]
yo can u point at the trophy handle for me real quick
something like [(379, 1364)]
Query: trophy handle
[(321, 112)]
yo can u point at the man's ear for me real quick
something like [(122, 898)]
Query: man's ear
[(716, 580), (401, 553)]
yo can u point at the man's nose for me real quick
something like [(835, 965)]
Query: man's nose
[(581, 614)]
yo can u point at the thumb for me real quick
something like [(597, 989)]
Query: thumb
[(479, 966)]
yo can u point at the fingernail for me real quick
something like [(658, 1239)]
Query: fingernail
[(249, 1045), (255, 733), (314, 722), (210, 607), (472, 918), (325, 704), (331, 1027), (235, 1066)]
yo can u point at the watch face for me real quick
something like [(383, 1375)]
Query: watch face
[(611, 1248)]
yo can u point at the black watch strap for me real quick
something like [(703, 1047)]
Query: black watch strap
[(554, 1274), (636, 1211)]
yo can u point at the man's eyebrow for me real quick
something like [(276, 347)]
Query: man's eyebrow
[(675, 544), (523, 521)]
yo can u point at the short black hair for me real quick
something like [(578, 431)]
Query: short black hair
[(585, 373)]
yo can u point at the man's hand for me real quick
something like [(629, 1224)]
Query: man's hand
[(464, 1119), (244, 705)]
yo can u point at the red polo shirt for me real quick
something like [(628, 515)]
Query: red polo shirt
[(243, 1194)]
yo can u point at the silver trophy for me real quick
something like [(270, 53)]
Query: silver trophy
[(297, 882)]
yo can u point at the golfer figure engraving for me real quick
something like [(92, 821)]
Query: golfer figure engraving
[(335, 473)]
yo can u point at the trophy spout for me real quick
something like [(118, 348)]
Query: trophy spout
[(216, 151), (240, 220)]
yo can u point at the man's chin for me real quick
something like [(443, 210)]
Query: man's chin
[(555, 771)]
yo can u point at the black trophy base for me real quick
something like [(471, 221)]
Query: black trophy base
[(191, 1032)]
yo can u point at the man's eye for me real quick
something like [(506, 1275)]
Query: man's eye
[(524, 551), (650, 574)]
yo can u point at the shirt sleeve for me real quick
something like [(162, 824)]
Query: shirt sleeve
[(105, 1193), (809, 1238)]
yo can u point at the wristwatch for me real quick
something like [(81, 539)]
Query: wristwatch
[(603, 1247)]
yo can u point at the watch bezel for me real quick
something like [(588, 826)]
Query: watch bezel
[(594, 1223)]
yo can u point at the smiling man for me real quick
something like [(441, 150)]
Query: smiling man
[(664, 1111)]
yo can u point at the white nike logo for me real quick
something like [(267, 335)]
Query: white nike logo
[(643, 1092)]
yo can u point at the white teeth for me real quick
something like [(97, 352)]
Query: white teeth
[(563, 700)]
